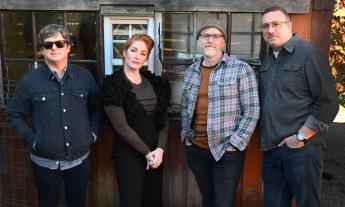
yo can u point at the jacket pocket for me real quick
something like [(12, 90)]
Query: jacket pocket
[(290, 76)]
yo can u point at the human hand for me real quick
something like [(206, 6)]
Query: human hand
[(291, 142), (157, 158)]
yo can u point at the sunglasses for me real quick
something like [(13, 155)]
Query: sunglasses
[(58, 44)]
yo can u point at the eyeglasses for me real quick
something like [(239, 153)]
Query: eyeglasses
[(58, 44), (208, 36), (275, 25)]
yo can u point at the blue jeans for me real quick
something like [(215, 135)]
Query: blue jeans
[(48, 183), (217, 181), (293, 173)]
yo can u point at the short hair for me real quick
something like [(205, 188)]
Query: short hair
[(143, 38), (277, 8), (51, 30)]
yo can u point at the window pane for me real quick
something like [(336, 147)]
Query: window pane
[(241, 22), (82, 29), (92, 67), (241, 46), (15, 71), (18, 34), (257, 44), (257, 22), (178, 42), (139, 28)]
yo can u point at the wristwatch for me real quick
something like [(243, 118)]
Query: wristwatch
[(300, 136)]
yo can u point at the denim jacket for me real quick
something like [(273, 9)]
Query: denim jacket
[(63, 116)]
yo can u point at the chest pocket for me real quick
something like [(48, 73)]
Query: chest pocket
[(226, 86), (290, 76), (79, 99), (43, 101)]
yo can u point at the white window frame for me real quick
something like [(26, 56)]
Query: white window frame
[(108, 41)]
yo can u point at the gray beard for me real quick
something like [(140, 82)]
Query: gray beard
[(209, 52)]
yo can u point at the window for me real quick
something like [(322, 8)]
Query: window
[(116, 32)]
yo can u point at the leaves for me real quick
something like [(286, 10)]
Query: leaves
[(337, 49)]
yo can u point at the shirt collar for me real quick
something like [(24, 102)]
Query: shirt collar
[(49, 72), (291, 44)]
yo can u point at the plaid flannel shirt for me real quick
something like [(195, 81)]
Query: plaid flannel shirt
[(233, 104)]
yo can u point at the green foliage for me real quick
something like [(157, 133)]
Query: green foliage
[(337, 50)]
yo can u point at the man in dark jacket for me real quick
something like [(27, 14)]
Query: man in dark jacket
[(65, 107), (298, 101)]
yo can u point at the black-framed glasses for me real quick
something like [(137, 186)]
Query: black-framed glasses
[(206, 36), (58, 44)]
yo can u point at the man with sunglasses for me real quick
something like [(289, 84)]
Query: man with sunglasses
[(298, 101), (220, 109), (65, 107)]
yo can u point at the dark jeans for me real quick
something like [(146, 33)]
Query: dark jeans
[(293, 173), (217, 181), (48, 183), (137, 186)]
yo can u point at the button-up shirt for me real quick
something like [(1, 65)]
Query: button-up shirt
[(233, 104), (296, 89)]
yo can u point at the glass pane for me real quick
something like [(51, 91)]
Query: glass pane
[(92, 67), (15, 71), (120, 35), (139, 29), (117, 50), (178, 40), (120, 30), (44, 18), (202, 17), (257, 45), (18, 34), (241, 46), (174, 73), (241, 22), (257, 22), (82, 29)]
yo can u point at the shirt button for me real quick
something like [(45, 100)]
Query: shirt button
[(62, 94), (81, 95), (64, 110), (43, 98), (67, 144), (66, 127), (53, 78)]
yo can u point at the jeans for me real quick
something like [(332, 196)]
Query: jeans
[(217, 180), (293, 173), (137, 186), (48, 183)]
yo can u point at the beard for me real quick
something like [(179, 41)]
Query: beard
[(209, 52)]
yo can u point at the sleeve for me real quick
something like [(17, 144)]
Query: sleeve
[(184, 111), (117, 118), (17, 112), (163, 133), (249, 98), (322, 88)]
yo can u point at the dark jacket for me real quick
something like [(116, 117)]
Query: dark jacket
[(117, 91), (296, 89), (63, 117)]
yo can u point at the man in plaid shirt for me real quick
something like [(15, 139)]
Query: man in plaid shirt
[(220, 109)]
